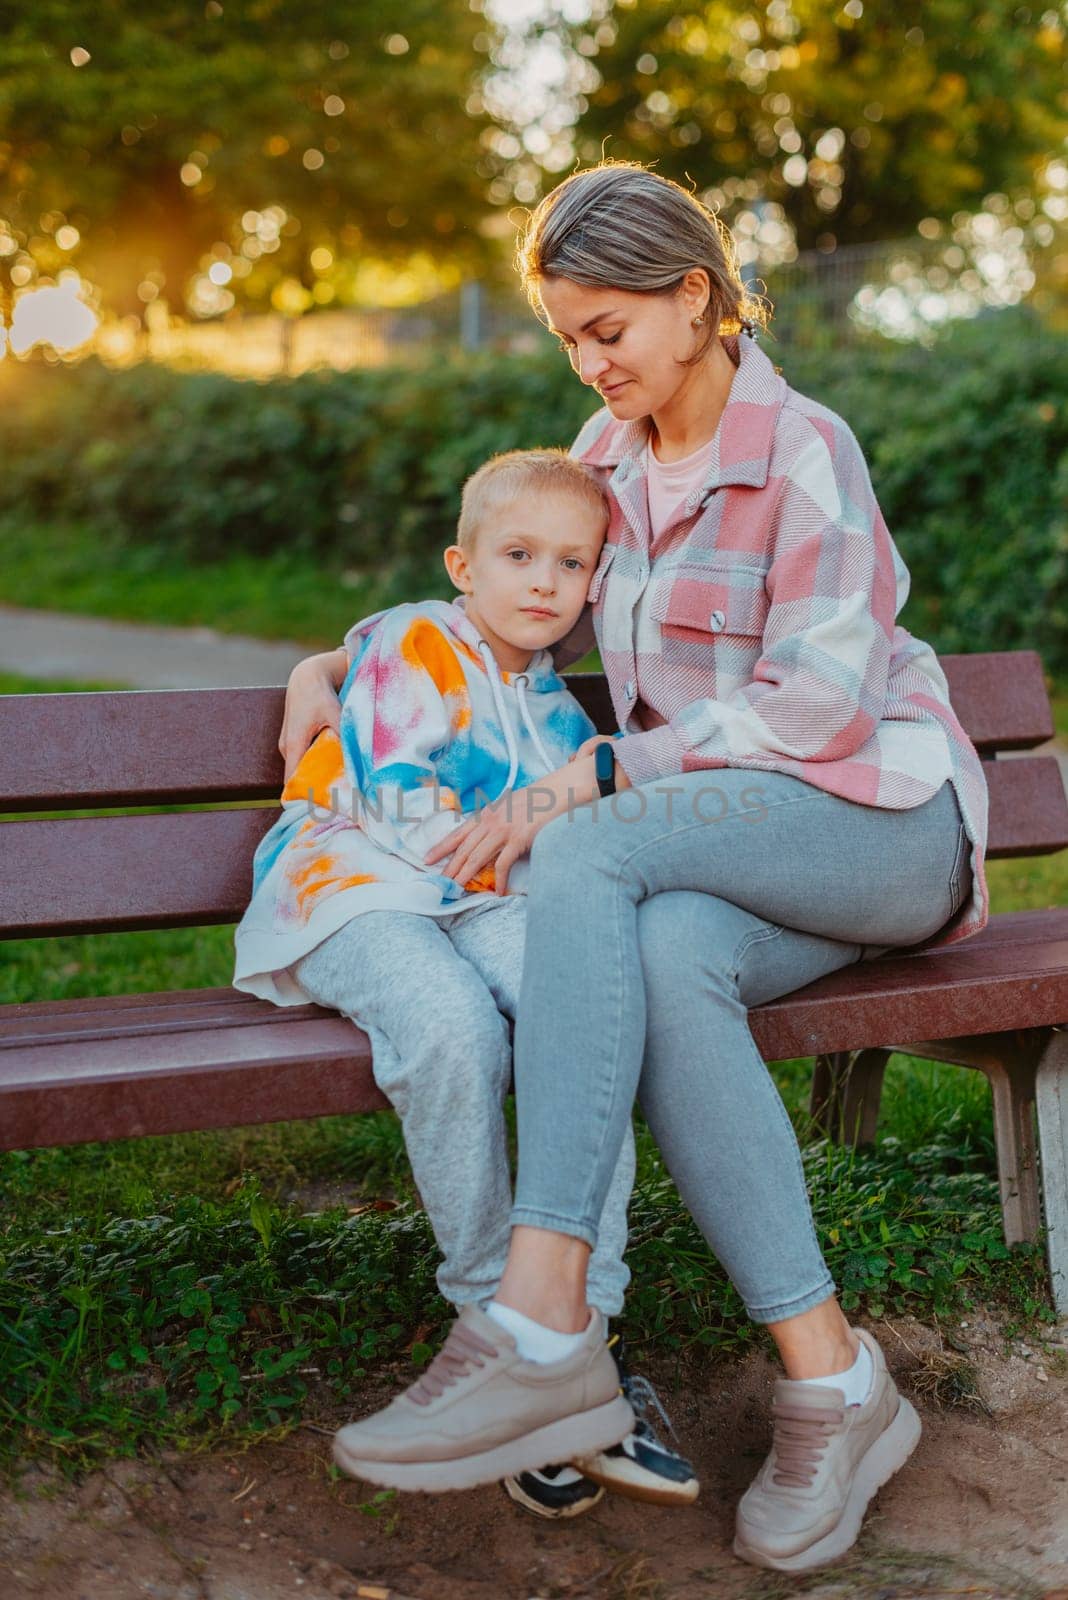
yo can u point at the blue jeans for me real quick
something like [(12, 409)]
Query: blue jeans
[(654, 921)]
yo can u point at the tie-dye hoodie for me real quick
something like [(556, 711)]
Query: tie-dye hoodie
[(431, 728)]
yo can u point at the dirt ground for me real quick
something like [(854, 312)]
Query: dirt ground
[(980, 1511)]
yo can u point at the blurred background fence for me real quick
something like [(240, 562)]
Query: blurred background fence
[(904, 289)]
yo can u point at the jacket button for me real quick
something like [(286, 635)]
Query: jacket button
[(716, 621)]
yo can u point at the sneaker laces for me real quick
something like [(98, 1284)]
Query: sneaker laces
[(645, 1401), (801, 1436), (462, 1350)]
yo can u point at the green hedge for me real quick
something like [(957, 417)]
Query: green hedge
[(968, 449), (967, 442), (362, 466)]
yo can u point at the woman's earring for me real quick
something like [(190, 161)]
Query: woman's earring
[(697, 322)]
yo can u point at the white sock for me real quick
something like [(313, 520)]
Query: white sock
[(855, 1382), (534, 1341)]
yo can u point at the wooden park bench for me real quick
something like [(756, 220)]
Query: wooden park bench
[(116, 1067)]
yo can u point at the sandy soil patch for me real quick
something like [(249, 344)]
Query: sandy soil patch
[(980, 1511)]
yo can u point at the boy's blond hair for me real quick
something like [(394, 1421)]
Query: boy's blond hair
[(500, 480)]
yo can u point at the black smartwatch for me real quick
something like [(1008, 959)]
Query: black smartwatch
[(604, 765)]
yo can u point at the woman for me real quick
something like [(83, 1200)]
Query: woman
[(805, 798)]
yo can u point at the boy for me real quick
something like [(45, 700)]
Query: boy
[(447, 706)]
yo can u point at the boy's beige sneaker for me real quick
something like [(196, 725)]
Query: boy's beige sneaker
[(827, 1459), (480, 1412)]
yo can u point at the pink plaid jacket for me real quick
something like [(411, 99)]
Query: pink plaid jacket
[(759, 630)]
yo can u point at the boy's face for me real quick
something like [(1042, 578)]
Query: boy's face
[(527, 576)]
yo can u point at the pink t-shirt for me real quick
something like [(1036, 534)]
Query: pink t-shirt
[(670, 482)]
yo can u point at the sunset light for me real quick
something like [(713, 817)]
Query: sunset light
[(55, 317)]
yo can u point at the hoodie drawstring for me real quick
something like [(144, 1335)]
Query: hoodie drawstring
[(493, 673), (520, 689), (497, 690)]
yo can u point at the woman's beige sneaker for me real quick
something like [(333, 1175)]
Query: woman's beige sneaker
[(827, 1459), (480, 1412)]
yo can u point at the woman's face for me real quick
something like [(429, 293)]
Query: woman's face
[(627, 346)]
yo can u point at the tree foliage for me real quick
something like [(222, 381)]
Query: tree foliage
[(858, 119), (152, 130)]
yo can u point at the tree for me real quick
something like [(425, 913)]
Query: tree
[(137, 142), (859, 120)]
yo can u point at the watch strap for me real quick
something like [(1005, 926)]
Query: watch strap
[(605, 768)]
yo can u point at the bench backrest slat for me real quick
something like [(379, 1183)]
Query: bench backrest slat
[(1028, 807), (1001, 699), (180, 747), (185, 869), (139, 747), (67, 751), (175, 869)]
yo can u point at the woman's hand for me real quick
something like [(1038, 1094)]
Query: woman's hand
[(311, 704), (589, 746), (586, 750)]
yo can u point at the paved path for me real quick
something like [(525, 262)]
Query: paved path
[(59, 645)]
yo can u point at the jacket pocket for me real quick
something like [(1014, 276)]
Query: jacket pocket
[(698, 604)]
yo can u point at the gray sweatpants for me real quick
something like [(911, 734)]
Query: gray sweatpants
[(434, 996)]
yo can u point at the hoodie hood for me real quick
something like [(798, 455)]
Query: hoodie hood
[(540, 673), (509, 689)]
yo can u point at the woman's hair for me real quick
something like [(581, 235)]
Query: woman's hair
[(503, 478), (621, 226)]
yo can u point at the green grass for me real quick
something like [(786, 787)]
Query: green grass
[(16, 683), (1060, 713), (173, 1289), (273, 597)]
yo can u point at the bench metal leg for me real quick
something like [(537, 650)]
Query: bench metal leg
[(1012, 1084), (847, 1087), (1051, 1088), (847, 1084), (1008, 1061)]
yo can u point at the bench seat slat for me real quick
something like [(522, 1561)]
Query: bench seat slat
[(166, 1083), (1012, 975), (999, 989), (15, 1013), (109, 1022), (160, 1063), (82, 1054), (148, 747)]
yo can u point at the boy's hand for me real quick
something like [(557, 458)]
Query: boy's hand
[(502, 832)]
